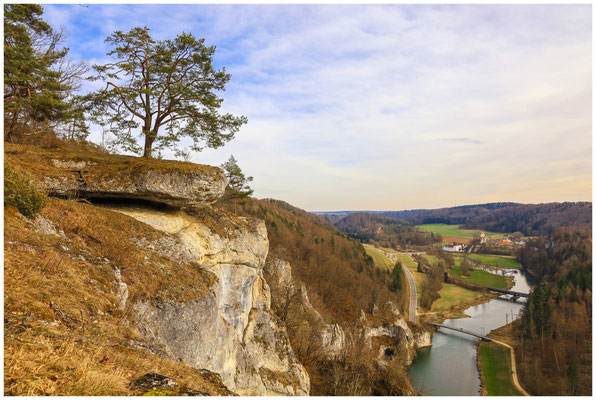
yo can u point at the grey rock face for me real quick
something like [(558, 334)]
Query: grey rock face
[(405, 341), (179, 188), (45, 226), (121, 290), (231, 330)]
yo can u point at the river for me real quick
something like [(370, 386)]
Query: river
[(448, 367)]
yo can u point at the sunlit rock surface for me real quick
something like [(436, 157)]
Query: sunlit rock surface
[(231, 330)]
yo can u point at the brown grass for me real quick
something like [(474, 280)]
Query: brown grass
[(78, 365), (64, 333), (116, 237), (456, 239), (37, 162)]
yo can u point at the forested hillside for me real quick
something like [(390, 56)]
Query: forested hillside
[(529, 219), (342, 282), (388, 232), (555, 336), (533, 219), (340, 277), (449, 215)]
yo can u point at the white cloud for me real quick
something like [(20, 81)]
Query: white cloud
[(365, 107)]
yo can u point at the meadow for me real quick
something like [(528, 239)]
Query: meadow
[(452, 295), (481, 277), (453, 233), (434, 260), (408, 261), (496, 370), (380, 260), (449, 230), (495, 261)]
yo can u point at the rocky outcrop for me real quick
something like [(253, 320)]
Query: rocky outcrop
[(331, 337), (228, 327), (121, 289), (42, 225), (422, 338), (392, 336), (152, 384), (231, 330), (172, 187), (98, 175)]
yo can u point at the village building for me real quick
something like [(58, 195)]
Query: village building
[(454, 248)]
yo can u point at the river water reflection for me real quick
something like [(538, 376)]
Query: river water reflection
[(449, 367)]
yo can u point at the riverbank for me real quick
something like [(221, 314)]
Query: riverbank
[(457, 310), (497, 366), (494, 367)]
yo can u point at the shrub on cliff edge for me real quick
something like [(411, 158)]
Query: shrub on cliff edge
[(20, 193)]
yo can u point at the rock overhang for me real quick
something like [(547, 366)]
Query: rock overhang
[(100, 175)]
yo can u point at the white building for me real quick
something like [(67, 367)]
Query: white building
[(454, 248)]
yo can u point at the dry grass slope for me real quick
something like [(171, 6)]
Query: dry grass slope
[(64, 331)]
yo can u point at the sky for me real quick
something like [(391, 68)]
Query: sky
[(387, 107)]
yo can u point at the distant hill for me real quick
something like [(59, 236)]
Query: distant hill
[(534, 219), (386, 231), (451, 215), (529, 219)]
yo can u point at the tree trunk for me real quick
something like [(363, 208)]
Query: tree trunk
[(149, 138), (13, 124)]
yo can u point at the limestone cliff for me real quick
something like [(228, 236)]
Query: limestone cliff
[(185, 277), (398, 338), (231, 330)]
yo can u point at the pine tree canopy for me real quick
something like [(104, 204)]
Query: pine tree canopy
[(165, 87)]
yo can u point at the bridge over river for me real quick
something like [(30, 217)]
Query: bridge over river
[(485, 338), (510, 292), (475, 286)]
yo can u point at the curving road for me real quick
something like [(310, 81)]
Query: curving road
[(413, 294)]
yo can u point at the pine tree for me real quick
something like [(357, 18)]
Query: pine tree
[(396, 278), (167, 88), (238, 187), (35, 88)]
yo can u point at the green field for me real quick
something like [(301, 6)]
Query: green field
[(379, 258), (388, 250), (495, 261), (452, 295), (432, 259), (448, 230), (407, 261), (454, 230), (480, 277), (496, 370)]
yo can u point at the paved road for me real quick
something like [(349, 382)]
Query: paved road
[(413, 294), (411, 284)]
